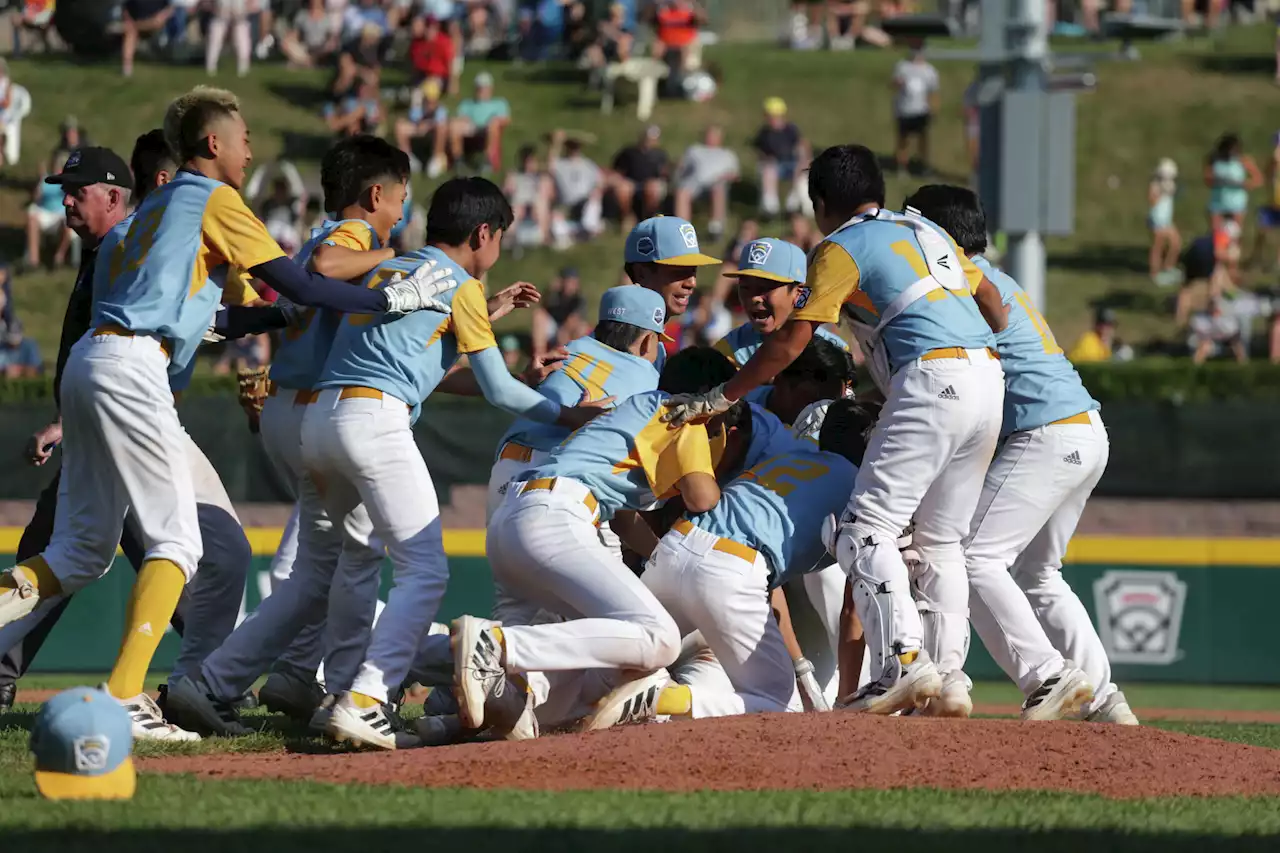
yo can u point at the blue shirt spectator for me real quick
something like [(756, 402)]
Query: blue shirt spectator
[(19, 355)]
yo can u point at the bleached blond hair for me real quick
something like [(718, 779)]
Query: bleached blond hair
[(187, 120)]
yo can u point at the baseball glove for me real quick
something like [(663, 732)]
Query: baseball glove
[(252, 393)]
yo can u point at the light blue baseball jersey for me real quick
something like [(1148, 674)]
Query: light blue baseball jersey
[(298, 360), (863, 268), (184, 239), (769, 436), (777, 507), (741, 343), (591, 369), (1040, 384), (628, 457), (406, 356)]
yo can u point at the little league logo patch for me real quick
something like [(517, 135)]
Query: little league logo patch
[(758, 253), (72, 161), (690, 237), (802, 296), (91, 753), (659, 316), (1140, 615)]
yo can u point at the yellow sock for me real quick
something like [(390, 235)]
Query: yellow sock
[(497, 635), (675, 701), (908, 658), (361, 700), (38, 572), (151, 606)]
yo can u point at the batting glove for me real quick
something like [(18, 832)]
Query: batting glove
[(683, 408), (418, 292), (810, 690)]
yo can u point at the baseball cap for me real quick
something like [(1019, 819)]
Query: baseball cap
[(82, 740), (636, 306), (484, 80), (666, 240), (775, 106), (431, 89), (772, 259), (93, 165)]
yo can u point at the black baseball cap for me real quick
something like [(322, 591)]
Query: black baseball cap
[(93, 165)]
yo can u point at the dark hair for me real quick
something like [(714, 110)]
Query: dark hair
[(619, 336), (462, 205), (957, 211), (846, 429), (525, 152), (845, 177), (821, 361), (695, 370), (151, 156), (1222, 149), (354, 164)]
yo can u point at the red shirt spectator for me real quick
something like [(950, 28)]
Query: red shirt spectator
[(431, 51), (677, 24)]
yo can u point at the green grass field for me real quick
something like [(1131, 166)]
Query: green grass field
[(1174, 103), (285, 816)]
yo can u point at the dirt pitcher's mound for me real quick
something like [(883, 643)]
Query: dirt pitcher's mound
[(801, 751)]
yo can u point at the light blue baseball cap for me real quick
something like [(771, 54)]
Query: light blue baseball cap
[(772, 259), (666, 240), (635, 306), (82, 740)]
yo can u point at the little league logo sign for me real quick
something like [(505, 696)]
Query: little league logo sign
[(689, 236), (758, 253), (1140, 615)]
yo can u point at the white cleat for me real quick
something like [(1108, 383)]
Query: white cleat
[(378, 726), (953, 700), (19, 601), (478, 674), (1060, 697), (149, 723), (916, 683), (1114, 710), (636, 701)]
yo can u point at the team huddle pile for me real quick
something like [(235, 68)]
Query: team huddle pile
[(649, 517)]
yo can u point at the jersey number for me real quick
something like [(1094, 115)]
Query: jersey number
[(1047, 339), (590, 374), (910, 253), (781, 476)]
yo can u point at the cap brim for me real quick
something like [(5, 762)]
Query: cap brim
[(696, 259), (765, 274), (119, 784), (666, 338)]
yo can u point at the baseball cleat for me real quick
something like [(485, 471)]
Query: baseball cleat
[(320, 719), (953, 699), (379, 726), (916, 683), (20, 600), (1059, 697), (246, 701), (149, 723), (1114, 710), (509, 714), (636, 701), (478, 673), (192, 703), (286, 693)]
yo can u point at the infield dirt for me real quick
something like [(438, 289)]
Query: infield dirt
[(799, 751)]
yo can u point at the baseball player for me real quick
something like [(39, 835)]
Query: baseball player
[(123, 445), (545, 551), (1053, 452), (713, 571), (910, 298)]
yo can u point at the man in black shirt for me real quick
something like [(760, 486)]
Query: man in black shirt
[(780, 149), (640, 168)]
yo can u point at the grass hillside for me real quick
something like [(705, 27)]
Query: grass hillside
[(1173, 103)]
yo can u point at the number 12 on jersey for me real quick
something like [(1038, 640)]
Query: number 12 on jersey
[(783, 474)]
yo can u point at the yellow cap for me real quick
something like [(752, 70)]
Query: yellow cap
[(431, 89), (119, 784), (775, 106)]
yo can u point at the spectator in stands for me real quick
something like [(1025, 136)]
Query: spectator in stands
[(706, 169), (1095, 344), (1230, 174), (313, 36), (428, 121), (244, 353), (849, 23), (360, 58), (613, 39), (559, 317), (579, 32), (15, 105), (1166, 242), (139, 18), (1269, 213), (480, 123), (915, 100), (485, 24), (19, 355), (233, 16), (431, 53), (541, 28), (779, 148), (804, 232), (578, 185), (46, 217), (529, 191), (358, 113), (1215, 331), (676, 24), (639, 178), (512, 355), (70, 137)]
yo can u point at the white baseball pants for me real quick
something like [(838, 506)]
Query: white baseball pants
[(1033, 498), (545, 550), (360, 451), (123, 449), (926, 460), (726, 598)]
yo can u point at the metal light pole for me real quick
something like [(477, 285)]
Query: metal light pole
[(1027, 38)]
